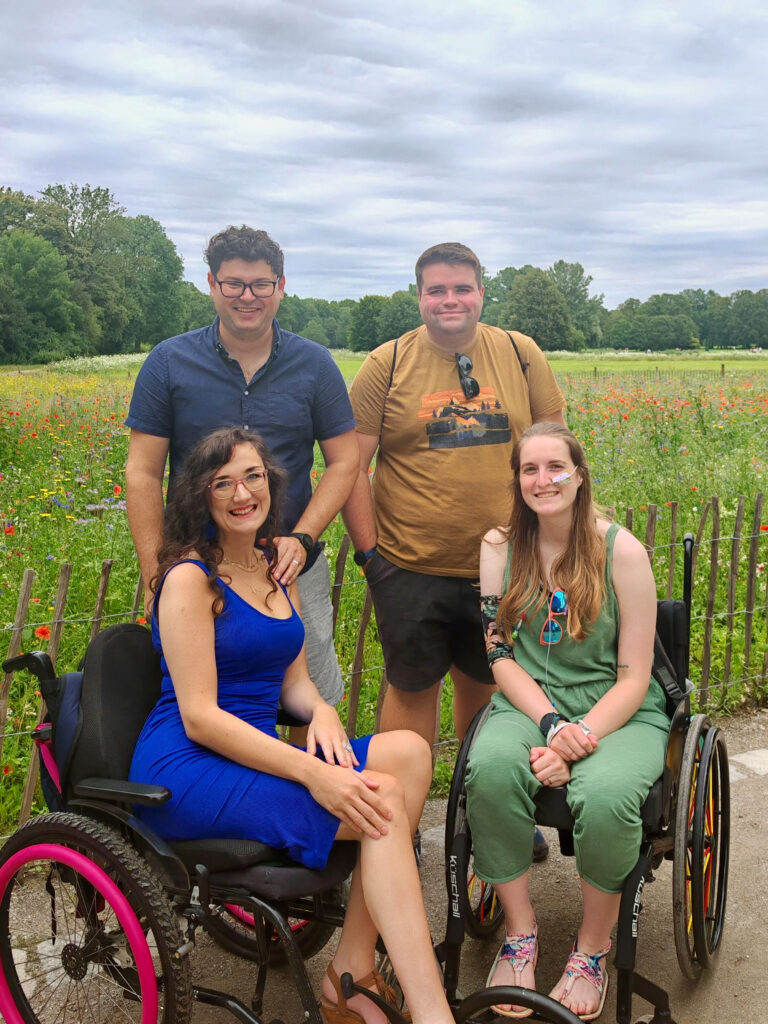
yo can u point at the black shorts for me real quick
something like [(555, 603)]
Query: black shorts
[(426, 624)]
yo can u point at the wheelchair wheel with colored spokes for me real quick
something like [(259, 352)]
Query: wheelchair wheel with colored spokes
[(702, 843), (233, 930), (86, 931), (711, 847), (484, 913)]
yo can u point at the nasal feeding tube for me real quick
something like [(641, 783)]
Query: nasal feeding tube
[(561, 479)]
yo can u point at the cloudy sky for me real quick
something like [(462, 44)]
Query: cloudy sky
[(630, 138)]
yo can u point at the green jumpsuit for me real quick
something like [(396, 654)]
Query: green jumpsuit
[(607, 789)]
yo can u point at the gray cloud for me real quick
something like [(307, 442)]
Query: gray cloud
[(632, 140)]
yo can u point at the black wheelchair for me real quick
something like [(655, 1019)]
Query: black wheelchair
[(98, 915), (686, 819)]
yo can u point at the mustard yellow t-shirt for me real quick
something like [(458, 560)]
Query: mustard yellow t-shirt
[(442, 471)]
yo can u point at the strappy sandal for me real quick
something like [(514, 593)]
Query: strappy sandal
[(588, 967), (340, 1013), (520, 950)]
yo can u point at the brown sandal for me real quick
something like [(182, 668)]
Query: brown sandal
[(340, 1013)]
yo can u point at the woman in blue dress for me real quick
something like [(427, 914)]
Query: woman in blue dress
[(231, 642)]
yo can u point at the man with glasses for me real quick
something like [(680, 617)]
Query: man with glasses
[(442, 406), (245, 370)]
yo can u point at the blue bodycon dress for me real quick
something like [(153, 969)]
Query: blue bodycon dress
[(214, 797)]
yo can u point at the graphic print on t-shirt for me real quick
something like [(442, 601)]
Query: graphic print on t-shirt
[(453, 421)]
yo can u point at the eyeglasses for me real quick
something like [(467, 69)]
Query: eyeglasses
[(552, 630), (258, 289), (224, 487), (469, 385)]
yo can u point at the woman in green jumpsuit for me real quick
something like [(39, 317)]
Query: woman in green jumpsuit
[(569, 607)]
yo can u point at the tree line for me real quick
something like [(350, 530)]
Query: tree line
[(79, 277)]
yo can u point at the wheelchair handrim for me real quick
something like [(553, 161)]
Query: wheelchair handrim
[(122, 910)]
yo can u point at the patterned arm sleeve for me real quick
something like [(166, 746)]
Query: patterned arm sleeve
[(495, 645)]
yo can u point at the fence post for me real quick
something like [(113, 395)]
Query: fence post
[(14, 646), (138, 603), (706, 656), (98, 611), (338, 577), (672, 549), (732, 576), (30, 783), (650, 531), (699, 535), (754, 542), (357, 665)]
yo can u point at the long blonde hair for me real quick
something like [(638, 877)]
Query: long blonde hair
[(580, 569)]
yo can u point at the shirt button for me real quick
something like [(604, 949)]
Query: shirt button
[(246, 391)]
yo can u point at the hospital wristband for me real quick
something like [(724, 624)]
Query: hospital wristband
[(555, 729)]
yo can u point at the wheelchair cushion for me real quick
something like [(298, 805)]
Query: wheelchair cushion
[(552, 809), (285, 880), (227, 854)]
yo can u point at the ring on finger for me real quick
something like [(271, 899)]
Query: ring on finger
[(295, 561)]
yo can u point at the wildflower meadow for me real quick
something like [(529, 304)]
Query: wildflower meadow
[(652, 437)]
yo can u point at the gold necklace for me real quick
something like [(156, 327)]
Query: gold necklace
[(241, 565)]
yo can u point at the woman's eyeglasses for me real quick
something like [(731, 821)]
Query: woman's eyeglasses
[(552, 630), (469, 385), (223, 488)]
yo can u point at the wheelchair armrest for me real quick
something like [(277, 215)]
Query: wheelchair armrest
[(123, 791)]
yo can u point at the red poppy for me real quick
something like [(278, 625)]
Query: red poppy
[(10, 529), (43, 632), (117, 489)]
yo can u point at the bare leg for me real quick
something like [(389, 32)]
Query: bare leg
[(519, 919), (414, 711), (385, 897), (601, 912), (468, 697)]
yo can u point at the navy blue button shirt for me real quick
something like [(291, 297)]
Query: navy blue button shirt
[(189, 386)]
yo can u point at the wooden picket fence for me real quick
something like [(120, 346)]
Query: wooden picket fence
[(729, 641)]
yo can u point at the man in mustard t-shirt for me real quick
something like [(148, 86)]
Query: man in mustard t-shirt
[(443, 405)]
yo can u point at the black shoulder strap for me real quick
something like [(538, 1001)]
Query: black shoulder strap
[(392, 367), (523, 366)]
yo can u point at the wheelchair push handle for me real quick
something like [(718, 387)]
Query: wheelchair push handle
[(36, 662)]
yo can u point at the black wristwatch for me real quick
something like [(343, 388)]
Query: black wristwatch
[(548, 721), (362, 557), (305, 540)]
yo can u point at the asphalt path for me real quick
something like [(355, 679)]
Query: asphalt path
[(735, 991)]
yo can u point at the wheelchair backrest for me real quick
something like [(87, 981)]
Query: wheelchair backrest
[(120, 686), (671, 651)]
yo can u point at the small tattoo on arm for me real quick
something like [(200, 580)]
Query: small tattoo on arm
[(622, 666)]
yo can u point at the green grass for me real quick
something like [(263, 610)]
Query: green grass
[(680, 433)]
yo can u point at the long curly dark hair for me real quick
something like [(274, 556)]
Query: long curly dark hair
[(188, 525)]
